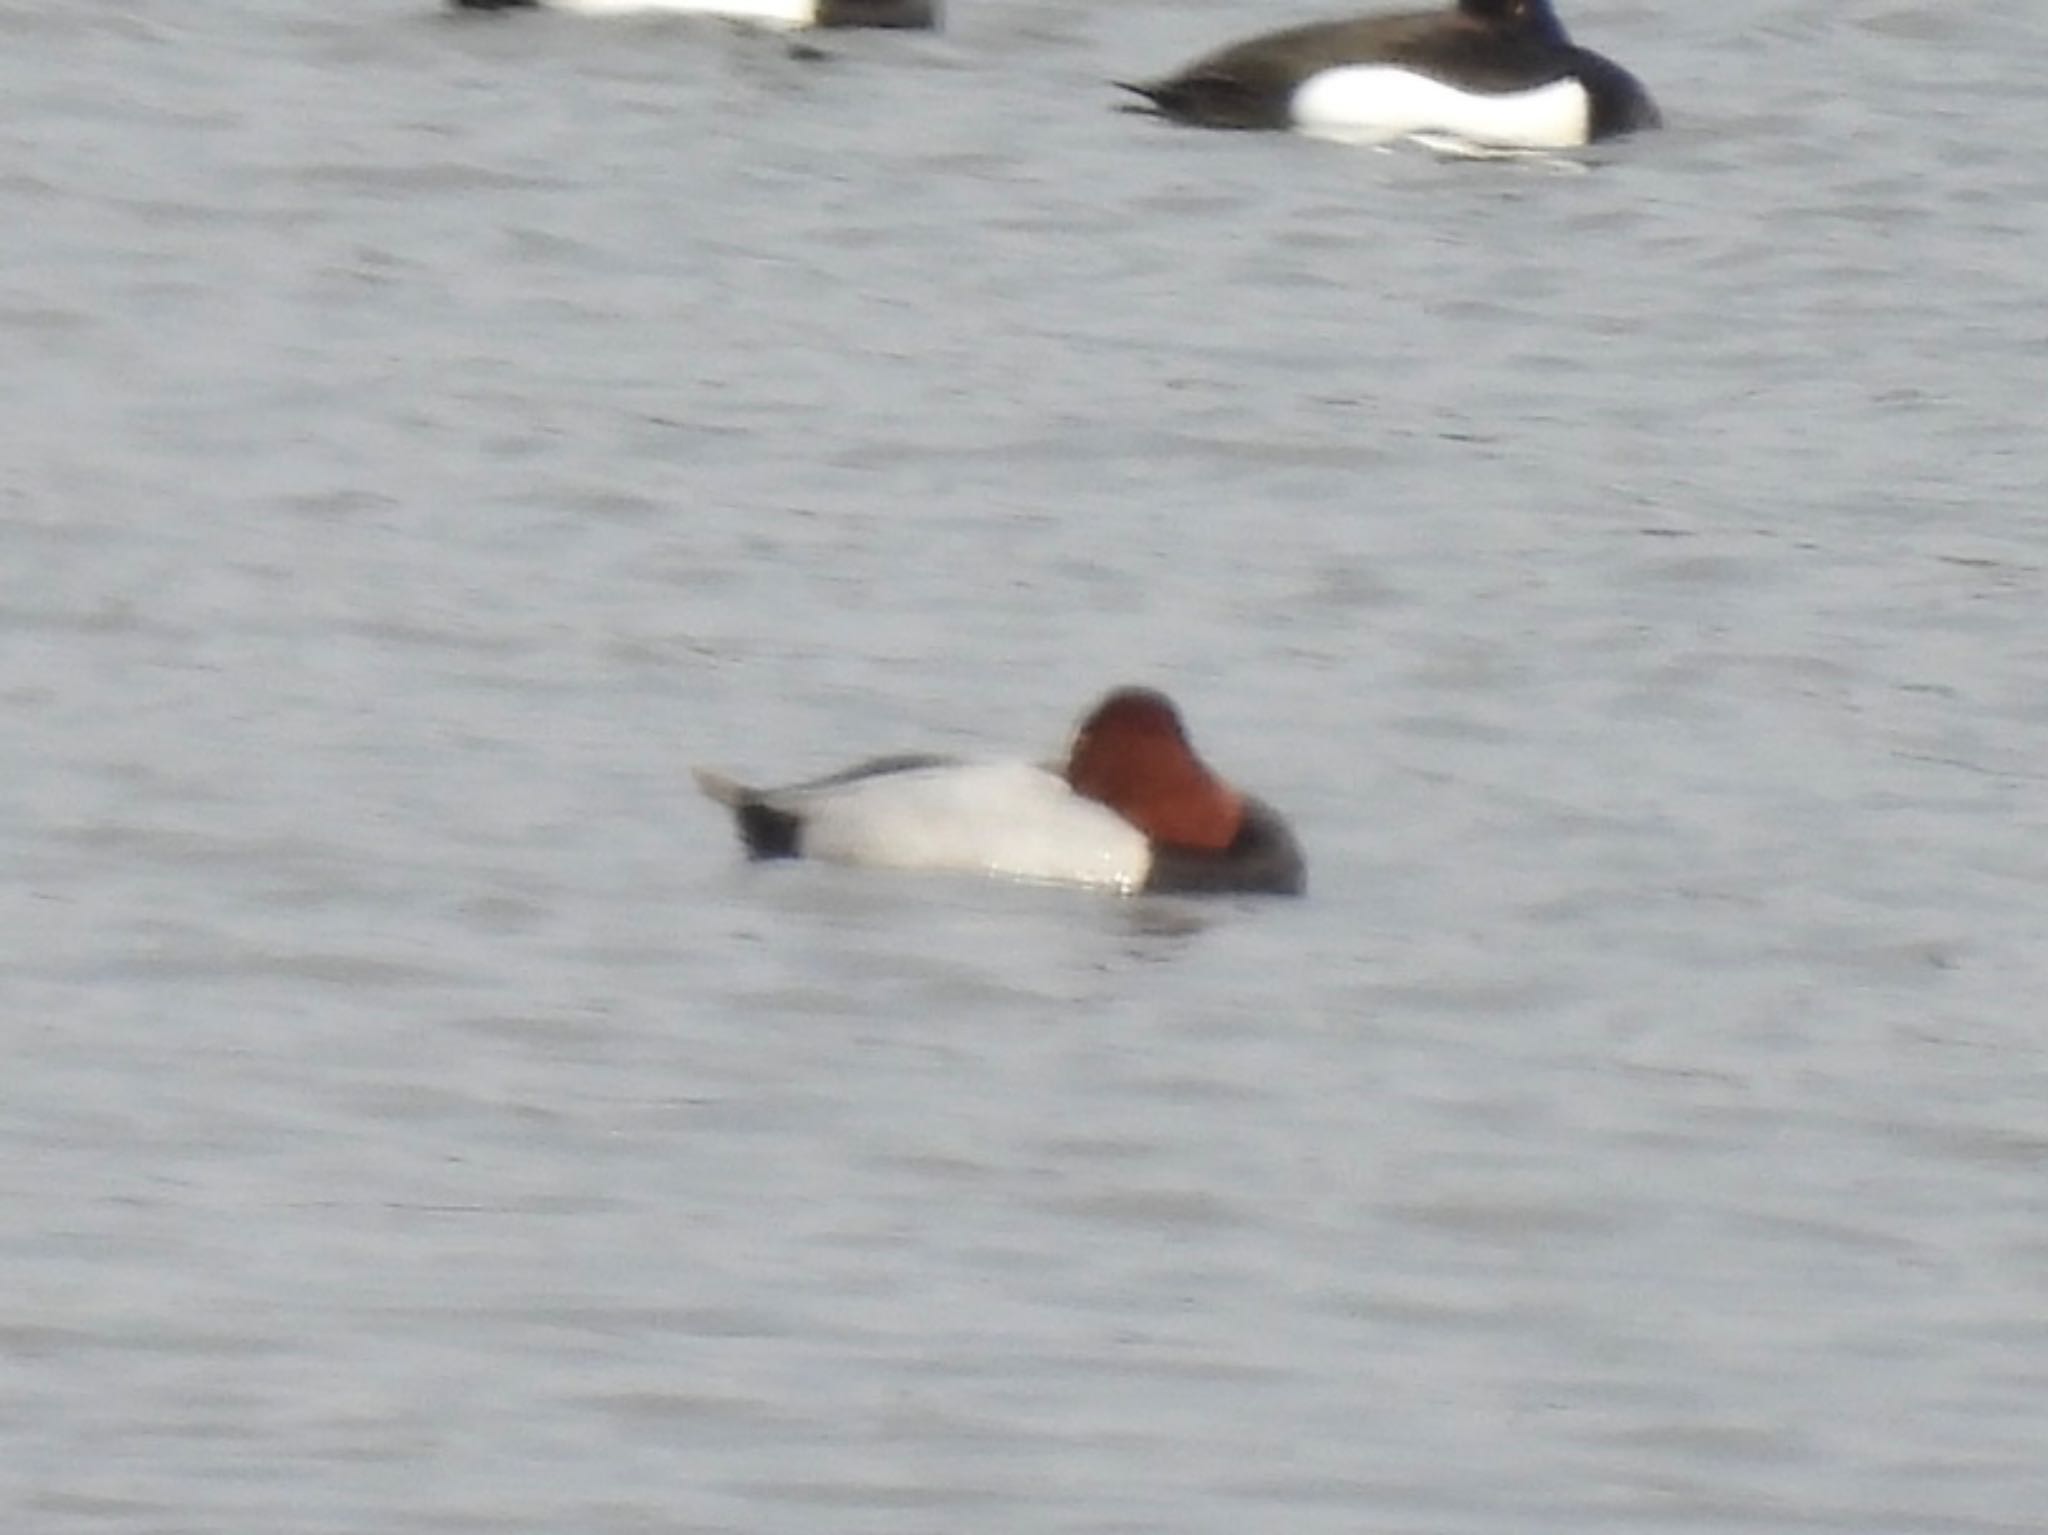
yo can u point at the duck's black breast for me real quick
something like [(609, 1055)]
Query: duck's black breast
[(1263, 859), (1619, 102)]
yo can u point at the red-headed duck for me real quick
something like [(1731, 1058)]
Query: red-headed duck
[(1132, 809)]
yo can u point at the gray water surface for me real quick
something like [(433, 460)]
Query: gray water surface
[(425, 437)]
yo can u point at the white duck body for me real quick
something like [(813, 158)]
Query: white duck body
[(1375, 103), (1006, 817)]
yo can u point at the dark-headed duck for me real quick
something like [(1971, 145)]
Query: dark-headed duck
[(1132, 808), (786, 15), (1490, 74)]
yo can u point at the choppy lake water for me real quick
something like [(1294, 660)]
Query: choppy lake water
[(425, 437)]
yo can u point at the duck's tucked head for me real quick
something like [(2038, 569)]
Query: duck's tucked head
[(1132, 754), (1534, 16)]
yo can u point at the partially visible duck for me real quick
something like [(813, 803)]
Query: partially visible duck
[(781, 14), (1132, 809), (1493, 74)]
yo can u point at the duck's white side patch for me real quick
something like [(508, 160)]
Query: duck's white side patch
[(761, 13), (1371, 103), (1010, 818)]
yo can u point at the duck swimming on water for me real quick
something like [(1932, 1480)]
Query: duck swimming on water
[(782, 15), (1131, 808), (1493, 74)]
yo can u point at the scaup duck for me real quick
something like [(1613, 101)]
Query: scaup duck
[(781, 14), (1493, 74), (1132, 808)]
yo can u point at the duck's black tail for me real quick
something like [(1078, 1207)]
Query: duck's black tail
[(766, 831), (1204, 96), (1153, 107)]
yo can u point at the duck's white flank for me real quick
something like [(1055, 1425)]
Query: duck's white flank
[(761, 13), (1010, 818), (1372, 103)]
